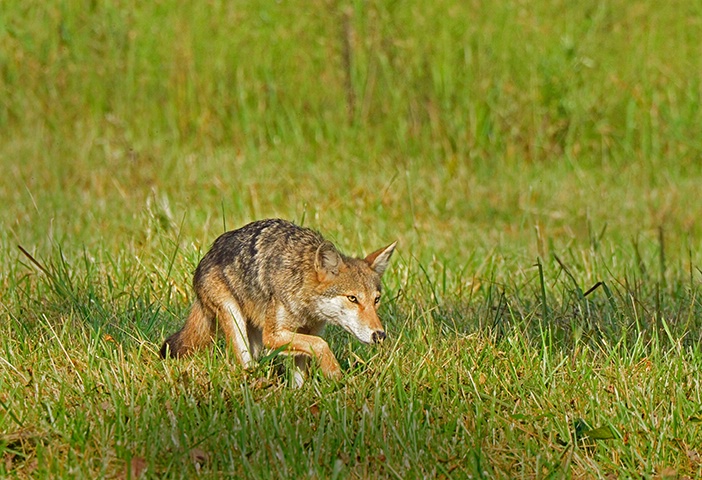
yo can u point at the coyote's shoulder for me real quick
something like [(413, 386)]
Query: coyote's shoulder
[(273, 283)]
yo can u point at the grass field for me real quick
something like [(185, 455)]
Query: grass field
[(539, 162)]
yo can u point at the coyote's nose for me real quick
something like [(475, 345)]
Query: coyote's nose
[(378, 336)]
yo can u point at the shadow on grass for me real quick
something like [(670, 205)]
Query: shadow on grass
[(553, 309)]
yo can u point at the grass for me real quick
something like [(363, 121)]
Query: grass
[(539, 165)]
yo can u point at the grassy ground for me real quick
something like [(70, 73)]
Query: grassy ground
[(538, 162)]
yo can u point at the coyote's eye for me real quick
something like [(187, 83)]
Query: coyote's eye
[(377, 299), (352, 298)]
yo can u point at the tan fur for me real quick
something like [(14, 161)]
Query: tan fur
[(273, 284)]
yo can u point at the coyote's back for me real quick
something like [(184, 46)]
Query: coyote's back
[(276, 284)]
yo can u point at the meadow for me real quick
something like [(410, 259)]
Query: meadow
[(538, 162)]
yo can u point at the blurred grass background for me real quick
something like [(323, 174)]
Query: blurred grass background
[(454, 126)]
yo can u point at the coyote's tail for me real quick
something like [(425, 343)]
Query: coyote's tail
[(197, 332)]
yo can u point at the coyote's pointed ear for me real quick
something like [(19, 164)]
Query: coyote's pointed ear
[(379, 259), (327, 261)]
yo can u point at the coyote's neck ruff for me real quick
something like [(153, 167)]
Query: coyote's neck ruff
[(274, 284)]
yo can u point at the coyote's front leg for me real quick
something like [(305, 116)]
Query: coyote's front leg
[(276, 335)]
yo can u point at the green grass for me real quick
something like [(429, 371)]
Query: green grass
[(538, 162)]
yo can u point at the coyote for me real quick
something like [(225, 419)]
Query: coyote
[(274, 284)]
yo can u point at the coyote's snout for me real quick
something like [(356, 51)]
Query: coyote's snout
[(274, 284)]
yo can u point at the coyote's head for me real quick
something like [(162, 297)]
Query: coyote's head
[(350, 290)]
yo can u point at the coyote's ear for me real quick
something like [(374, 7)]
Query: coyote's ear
[(327, 261), (379, 259)]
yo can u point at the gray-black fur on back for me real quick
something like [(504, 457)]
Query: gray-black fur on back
[(261, 252)]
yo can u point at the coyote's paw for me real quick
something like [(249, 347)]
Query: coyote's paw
[(332, 370)]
